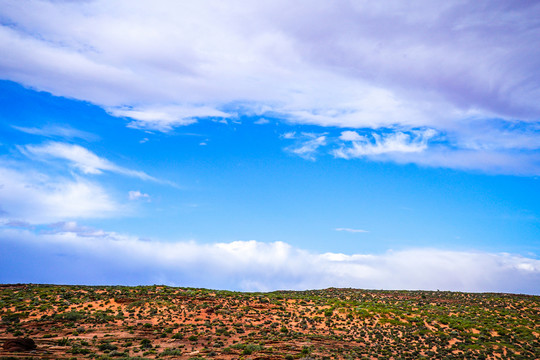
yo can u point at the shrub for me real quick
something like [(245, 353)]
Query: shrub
[(107, 347), (172, 352), (78, 350), (146, 344), (72, 316), (63, 342), (10, 319), (251, 348)]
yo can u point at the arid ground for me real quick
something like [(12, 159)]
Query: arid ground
[(150, 322)]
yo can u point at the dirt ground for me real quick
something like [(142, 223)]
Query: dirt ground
[(77, 322)]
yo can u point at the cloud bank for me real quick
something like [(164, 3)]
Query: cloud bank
[(68, 253), (469, 71)]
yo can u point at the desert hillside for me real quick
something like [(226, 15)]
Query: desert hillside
[(150, 322)]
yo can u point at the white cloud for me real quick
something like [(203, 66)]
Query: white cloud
[(424, 148), (37, 198), (370, 68), (510, 136), (488, 161), (253, 52), (351, 136), (166, 117), (84, 160), (262, 121), (137, 195), (352, 230), (289, 135), (66, 132), (251, 265), (72, 227), (308, 148), (396, 142)]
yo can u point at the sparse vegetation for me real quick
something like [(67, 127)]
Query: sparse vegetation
[(163, 322)]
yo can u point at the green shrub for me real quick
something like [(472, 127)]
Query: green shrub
[(10, 319), (169, 352), (107, 347), (79, 350), (63, 342), (251, 348), (72, 316), (146, 344)]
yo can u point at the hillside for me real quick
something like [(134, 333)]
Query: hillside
[(151, 322)]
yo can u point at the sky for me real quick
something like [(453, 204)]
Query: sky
[(268, 145)]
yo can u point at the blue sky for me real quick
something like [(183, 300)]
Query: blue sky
[(240, 146)]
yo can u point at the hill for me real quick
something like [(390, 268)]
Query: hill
[(149, 322)]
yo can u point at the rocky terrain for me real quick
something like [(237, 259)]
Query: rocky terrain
[(159, 322)]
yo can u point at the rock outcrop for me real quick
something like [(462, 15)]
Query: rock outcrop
[(19, 344)]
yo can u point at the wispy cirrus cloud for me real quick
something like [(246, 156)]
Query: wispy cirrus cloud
[(486, 161), (251, 265), (137, 195), (428, 148), (262, 121), (80, 158), (66, 132), (352, 230), (306, 144), (165, 118), (289, 135), (396, 142)]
